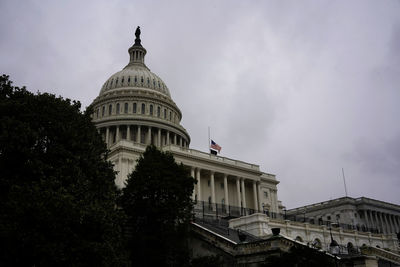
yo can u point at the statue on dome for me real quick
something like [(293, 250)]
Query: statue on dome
[(137, 32)]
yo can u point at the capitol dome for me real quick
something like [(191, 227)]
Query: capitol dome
[(135, 106)]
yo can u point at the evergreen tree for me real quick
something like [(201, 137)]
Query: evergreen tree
[(57, 191), (157, 201)]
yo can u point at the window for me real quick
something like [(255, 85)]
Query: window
[(265, 194), (208, 182), (209, 200), (170, 116), (158, 111), (135, 79), (148, 81), (328, 218), (141, 79), (126, 108), (109, 109), (151, 110), (103, 112), (143, 108), (222, 185), (116, 81), (338, 217), (129, 79), (165, 113), (97, 113), (117, 108), (134, 107), (122, 81)]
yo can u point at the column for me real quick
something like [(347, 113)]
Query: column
[(167, 138), (226, 189), (128, 132), (212, 185), (192, 174), (107, 135), (174, 139), (366, 218), (198, 185), (259, 197), (117, 135), (238, 191), (243, 194), (381, 222), (390, 223), (255, 196), (371, 219), (149, 136), (139, 135), (376, 220), (159, 137), (396, 219)]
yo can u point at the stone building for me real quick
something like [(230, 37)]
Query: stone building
[(363, 214), (135, 109)]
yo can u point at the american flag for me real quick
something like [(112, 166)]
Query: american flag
[(215, 146)]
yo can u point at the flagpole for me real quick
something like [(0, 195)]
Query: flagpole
[(209, 142)]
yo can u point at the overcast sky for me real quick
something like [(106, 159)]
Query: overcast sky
[(302, 88)]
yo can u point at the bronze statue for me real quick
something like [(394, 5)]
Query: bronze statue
[(137, 32)]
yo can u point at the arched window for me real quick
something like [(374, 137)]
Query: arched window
[(165, 113), (143, 108), (317, 243), (158, 111), (103, 111), (117, 108), (141, 79), (134, 107), (109, 109), (126, 108), (170, 116), (129, 79), (151, 110), (298, 238)]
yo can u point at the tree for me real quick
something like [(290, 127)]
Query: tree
[(57, 191), (157, 201)]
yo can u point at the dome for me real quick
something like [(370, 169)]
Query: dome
[(135, 106), (135, 76)]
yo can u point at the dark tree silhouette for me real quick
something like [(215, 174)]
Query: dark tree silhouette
[(157, 200), (57, 191)]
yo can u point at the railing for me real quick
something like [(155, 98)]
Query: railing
[(204, 210)]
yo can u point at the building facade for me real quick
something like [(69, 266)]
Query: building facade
[(363, 214), (135, 109)]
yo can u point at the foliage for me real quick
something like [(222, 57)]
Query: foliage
[(57, 191), (157, 200), (300, 256), (207, 261)]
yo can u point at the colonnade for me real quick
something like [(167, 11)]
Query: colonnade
[(142, 135), (241, 185), (384, 222)]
